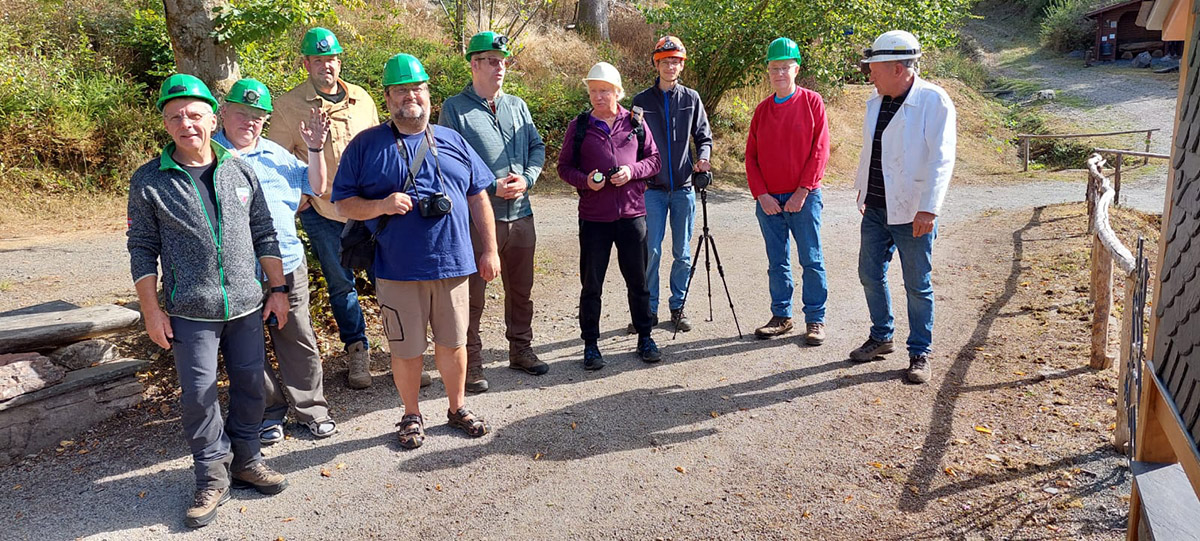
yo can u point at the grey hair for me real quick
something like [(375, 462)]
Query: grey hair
[(912, 64)]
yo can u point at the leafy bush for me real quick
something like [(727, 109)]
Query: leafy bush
[(1064, 27)]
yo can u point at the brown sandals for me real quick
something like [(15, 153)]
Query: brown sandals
[(412, 431), (466, 421)]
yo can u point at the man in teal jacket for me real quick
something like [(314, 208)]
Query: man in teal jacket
[(199, 211), (499, 128)]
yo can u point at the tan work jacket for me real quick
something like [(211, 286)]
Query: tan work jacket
[(353, 114)]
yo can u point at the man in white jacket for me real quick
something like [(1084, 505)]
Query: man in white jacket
[(903, 172)]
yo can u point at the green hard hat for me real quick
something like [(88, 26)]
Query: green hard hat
[(320, 42), (783, 49), (252, 93), (182, 85), (488, 41), (403, 69)]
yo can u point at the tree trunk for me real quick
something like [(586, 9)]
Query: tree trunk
[(593, 18), (190, 25)]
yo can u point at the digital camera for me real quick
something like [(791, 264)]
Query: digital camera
[(602, 176), (702, 179), (435, 206)]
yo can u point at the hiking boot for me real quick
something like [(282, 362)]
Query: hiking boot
[(871, 350), (918, 369), (204, 506), (633, 330), (816, 334), (680, 321), (475, 381), (647, 350), (527, 361), (592, 360), (426, 379), (261, 478), (359, 376), (777, 326)]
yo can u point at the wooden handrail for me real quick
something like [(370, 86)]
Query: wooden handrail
[(1025, 137), (1135, 153), (1101, 227), (1121, 153)]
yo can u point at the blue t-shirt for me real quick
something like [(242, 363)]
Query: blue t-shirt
[(283, 179), (412, 247)]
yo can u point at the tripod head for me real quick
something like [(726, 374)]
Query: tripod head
[(702, 180)]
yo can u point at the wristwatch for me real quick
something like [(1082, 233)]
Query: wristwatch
[(281, 289)]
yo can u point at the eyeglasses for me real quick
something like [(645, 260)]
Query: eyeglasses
[(780, 71), (194, 117), (493, 62), (672, 61), (250, 118), (417, 89)]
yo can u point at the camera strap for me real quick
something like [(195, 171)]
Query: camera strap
[(428, 145)]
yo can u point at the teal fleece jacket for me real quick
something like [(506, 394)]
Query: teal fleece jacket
[(507, 140), (209, 270)]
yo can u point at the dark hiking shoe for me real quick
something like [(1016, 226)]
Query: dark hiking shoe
[(359, 376), (918, 369), (815, 335), (630, 329), (680, 321), (261, 478), (871, 350), (204, 506), (775, 327), (592, 360), (475, 381), (527, 361), (647, 350)]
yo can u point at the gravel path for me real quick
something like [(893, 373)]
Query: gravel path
[(725, 438)]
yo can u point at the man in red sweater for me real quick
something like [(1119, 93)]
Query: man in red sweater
[(786, 153)]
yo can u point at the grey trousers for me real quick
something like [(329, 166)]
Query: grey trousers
[(233, 445), (300, 375)]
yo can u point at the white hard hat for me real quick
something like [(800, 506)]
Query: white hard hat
[(893, 45), (603, 71)]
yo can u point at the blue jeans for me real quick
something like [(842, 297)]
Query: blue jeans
[(805, 226), (879, 242), (325, 237), (680, 206)]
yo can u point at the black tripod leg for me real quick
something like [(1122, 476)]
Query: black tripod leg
[(708, 272), (721, 273), (688, 288)]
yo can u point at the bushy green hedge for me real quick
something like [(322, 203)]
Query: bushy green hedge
[(1064, 27)]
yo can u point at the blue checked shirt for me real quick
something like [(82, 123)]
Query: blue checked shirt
[(284, 179)]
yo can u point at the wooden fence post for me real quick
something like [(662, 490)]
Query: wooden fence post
[(1121, 435), (1146, 159), (1101, 287), (1117, 180), (1025, 152)]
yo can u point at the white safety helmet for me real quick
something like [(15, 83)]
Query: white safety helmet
[(603, 71), (893, 45)]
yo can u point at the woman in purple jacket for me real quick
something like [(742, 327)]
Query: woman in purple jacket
[(609, 169)]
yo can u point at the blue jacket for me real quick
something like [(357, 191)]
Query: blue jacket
[(677, 119)]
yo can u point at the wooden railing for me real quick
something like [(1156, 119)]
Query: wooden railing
[(1025, 137), (1121, 159), (1108, 250)]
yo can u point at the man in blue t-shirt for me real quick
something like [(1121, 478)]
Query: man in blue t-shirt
[(424, 254)]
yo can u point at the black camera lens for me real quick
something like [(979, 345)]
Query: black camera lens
[(443, 205)]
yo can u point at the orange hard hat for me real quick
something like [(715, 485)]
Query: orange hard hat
[(669, 46)]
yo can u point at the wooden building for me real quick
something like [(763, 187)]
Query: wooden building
[(1120, 29)]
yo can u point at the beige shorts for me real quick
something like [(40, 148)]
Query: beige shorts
[(407, 307)]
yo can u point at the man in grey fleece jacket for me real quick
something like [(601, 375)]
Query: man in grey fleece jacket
[(199, 211), (499, 128)]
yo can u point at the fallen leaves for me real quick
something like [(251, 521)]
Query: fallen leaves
[(574, 425), (142, 494), (680, 469), (950, 471), (878, 465), (326, 473), (983, 429), (714, 414), (538, 456)]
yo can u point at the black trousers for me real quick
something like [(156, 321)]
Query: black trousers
[(596, 240)]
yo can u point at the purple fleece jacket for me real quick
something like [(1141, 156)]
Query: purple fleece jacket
[(602, 151)]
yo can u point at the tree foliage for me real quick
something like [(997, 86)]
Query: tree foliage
[(727, 39), (249, 21)]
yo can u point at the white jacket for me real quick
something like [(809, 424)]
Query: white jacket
[(918, 152)]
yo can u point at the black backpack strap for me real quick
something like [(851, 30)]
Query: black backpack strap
[(581, 123)]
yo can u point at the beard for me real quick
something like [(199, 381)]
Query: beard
[(411, 112)]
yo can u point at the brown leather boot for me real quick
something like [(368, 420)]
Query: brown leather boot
[(359, 376)]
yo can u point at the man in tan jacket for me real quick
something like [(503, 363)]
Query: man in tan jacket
[(351, 110)]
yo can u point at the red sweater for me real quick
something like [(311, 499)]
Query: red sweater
[(788, 145)]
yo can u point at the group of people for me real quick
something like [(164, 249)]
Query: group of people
[(449, 208)]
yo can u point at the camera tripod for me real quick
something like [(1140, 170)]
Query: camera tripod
[(707, 242)]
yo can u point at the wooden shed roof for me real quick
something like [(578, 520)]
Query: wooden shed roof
[(1094, 13)]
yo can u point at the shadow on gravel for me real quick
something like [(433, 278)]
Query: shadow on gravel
[(917, 494), (643, 418), (1015, 502)]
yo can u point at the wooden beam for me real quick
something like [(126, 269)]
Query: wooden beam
[(41, 331)]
